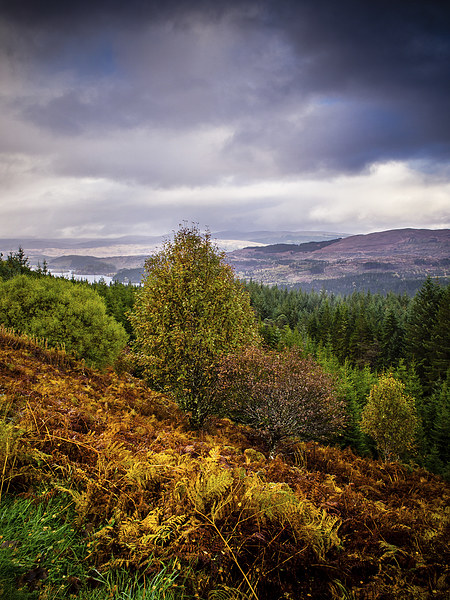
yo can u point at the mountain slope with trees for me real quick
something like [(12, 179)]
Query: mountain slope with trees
[(362, 336), (115, 463)]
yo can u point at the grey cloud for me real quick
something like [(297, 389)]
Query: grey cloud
[(173, 77), (302, 86)]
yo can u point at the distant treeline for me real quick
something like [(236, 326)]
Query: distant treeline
[(376, 281), (365, 328)]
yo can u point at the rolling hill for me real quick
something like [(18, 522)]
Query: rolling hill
[(397, 260)]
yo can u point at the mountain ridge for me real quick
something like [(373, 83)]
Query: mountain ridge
[(373, 261)]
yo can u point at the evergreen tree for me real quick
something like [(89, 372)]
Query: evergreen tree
[(440, 339), (440, 434), (119, 300), (392, 339), (421, 328), (16, 263), (341, 332)]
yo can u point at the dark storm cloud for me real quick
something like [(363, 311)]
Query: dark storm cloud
[(391, 57), (317, 85)]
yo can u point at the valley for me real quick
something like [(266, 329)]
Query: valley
[(396, 260)]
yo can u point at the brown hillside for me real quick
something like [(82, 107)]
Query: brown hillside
[(420, 241), (390, 256), (315, 522)]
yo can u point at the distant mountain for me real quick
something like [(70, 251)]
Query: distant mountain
[(139, 245), (397, 260), (83, 265), (281, 248), (126, 255), (28, 243)]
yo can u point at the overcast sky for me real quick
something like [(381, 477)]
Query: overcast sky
[(131, 116)]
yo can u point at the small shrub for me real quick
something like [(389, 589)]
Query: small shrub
[(280, 394)]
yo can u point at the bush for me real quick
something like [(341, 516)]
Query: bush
[(390, 418), (64, 314), (280, 394)]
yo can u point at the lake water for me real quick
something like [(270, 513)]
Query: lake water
[(89, 278)]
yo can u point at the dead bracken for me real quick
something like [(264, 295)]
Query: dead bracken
[(314, 521)]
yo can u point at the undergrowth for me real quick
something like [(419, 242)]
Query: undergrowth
[(42, 555), (145, 506)]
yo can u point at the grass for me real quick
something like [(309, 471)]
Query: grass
[(43, 557)]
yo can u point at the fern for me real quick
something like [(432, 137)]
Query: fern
[(224, 592), (168, 530), (276, 502), (210, 485)]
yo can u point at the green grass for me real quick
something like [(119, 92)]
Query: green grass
[(43, 557), (121, 585)]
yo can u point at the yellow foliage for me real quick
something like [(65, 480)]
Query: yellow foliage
[(147, 492), (211, 483), (277, 502)]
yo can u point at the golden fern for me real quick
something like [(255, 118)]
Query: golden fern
[(210, 486), (82, 501), (276, 502), (141, 473), (223, 592), (168, 530)]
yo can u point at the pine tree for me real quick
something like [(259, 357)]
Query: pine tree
[(16, 263), (392, 339), (421, 327), (440, 339), (441, 431)]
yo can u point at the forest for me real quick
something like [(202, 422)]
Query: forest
[(200, 437)]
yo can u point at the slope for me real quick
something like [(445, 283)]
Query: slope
[(314, 522), (396, 260)]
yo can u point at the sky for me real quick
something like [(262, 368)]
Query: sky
[(131, 117)]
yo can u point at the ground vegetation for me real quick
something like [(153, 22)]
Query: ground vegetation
[(116, 497)]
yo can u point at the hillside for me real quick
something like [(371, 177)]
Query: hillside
[(136, 246), (125, 256), (397, 260), (148, 495)]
